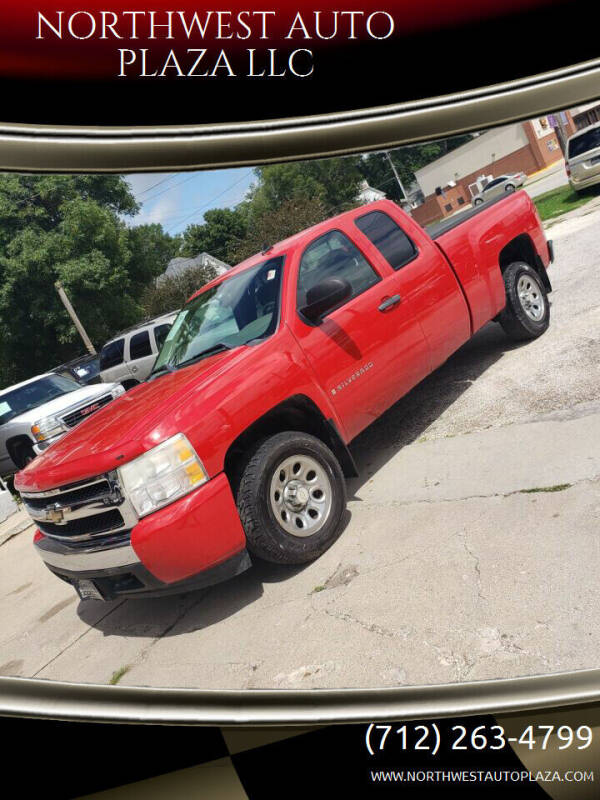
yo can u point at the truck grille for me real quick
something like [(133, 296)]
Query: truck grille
[(75, 417), (82, 511)]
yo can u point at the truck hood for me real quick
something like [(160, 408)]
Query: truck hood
[(63, 404), (129, 426)]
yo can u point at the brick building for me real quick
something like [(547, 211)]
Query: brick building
[(449, 182)]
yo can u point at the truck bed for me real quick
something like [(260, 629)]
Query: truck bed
[(438, 228)]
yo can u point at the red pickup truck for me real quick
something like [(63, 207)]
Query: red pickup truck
[(237, 443)]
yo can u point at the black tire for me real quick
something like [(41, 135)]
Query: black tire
[(265, 532), (509, 188), (22, 454), (517, 322), (477, 202)]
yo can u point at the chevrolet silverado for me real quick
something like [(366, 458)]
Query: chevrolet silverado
[(237, 443)]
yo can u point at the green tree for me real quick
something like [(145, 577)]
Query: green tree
[(219, 234), (292, 216), (171, 292), (69, 228), (334, 181)]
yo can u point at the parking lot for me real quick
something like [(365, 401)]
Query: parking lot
[(471, 548)]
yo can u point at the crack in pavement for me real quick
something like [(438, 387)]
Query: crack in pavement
[(432, 501), (77, 639), (463, 537), (143, 653), (371, 627)]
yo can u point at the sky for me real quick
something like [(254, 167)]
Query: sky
[(179, 199)]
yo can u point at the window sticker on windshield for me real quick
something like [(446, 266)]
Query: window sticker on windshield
[(271, 274), (81, 372), (4, 407)]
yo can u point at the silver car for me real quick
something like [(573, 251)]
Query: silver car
[(130, 356), (38, 412), (582, 161), (503, 184)]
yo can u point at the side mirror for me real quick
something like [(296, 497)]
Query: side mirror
[(324, 297)]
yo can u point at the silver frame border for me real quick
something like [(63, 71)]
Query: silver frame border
[(43, 148), (263, 707), (46, 148)]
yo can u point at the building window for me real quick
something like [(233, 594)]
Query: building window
[(460, 201), (448, 207)]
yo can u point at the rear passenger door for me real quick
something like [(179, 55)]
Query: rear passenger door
[(356, 349), (424, 280), (141, 356)]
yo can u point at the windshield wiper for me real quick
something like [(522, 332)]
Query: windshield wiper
[(216, 348), (160, 371)]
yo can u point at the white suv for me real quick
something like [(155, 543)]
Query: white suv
[(129, 357)]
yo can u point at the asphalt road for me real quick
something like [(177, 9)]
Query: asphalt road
[(470, 548)]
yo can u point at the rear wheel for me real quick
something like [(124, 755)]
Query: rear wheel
[(477, 202), (291, 498), (509, 188), (527, 311)]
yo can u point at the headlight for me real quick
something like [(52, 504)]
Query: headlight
[(117, 391), (163, 474), (48, 428)]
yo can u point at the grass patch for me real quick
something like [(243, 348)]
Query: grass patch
[(559, 201), (318, 589), (116, 676), (559, 487)]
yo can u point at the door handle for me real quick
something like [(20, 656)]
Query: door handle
[(134, 369), (390, 302)]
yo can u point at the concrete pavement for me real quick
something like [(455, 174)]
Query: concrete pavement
[(471, 546)]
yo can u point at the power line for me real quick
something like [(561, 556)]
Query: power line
[(209, 202), (154, 185)]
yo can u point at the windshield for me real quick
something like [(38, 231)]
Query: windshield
[(239, 310), (587, 141), (34, 394)]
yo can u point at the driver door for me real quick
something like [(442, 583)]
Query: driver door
[(354, 351)]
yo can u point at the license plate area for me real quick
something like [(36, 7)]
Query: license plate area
[(87, 590)]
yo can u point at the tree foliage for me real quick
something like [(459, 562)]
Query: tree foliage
[(220, 233), (171, 292), (292, 216), (68, 228)]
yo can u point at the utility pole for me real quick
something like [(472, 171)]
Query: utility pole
[(71, 312), (395, 171)]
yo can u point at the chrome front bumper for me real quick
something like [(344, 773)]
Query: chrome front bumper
[(86, 559)]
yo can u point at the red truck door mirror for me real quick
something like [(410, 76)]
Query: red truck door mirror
[(325, 296)]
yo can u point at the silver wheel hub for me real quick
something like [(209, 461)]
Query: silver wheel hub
[(300, 495), (531, 297)]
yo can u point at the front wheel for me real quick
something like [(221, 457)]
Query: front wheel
[(291, 498), (527, 311)]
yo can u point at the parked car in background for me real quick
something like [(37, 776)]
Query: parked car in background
[(38, 412), (85, 369), (130, 355), (503, 184), (582, 161)]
